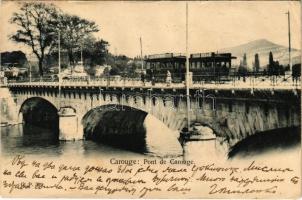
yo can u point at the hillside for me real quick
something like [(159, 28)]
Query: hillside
[(263, 47)]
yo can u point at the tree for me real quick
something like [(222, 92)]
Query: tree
[(100, 52), (270, 64), (271, 58), (34, 21), (296, 71), (114, 71), (14, 57), (256, 63), (73, 32), (244, 62), (94, 51), (242, 69)]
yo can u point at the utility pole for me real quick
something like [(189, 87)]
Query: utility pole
[(59, 71), (82, 54), (142, 60), (289, 42), (187, 71), (1, 73), (29, 71)]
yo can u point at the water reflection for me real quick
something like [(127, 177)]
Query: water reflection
[(160, 140), (26, 139), (32, 140), (205, 150)]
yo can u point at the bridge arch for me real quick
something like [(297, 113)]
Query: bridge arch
[(40, 112), (129, 128)]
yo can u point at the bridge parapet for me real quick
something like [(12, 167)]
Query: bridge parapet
[(249, 83)]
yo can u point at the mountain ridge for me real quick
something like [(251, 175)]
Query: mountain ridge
[(263, 47)]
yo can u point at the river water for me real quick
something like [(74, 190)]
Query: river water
[(40, 142), (160, 141)]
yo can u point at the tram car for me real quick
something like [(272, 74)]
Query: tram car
[(204, 66)]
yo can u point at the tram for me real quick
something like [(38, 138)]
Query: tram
[(204, 66)]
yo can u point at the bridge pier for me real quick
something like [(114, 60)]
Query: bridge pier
[(70, 127)]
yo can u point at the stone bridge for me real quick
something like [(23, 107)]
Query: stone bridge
[(233, 113)]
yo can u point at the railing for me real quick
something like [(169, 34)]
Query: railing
[(248, 82)]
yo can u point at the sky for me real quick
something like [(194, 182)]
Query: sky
[(161, 24)]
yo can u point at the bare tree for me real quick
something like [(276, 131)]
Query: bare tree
[(35, 21)]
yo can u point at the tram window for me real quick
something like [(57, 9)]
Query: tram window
[(230, 107), (198, 64), (247, 108), (176, 101), (153, 101), (266, 110), (200, 102)]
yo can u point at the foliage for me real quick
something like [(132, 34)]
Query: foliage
[(256, 63), (94, 52), (74, 31), (39, 25), (274, 68), (242, 69), (244, 62), (34, 21), (14, 57), (296, 71), (115, 71)]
